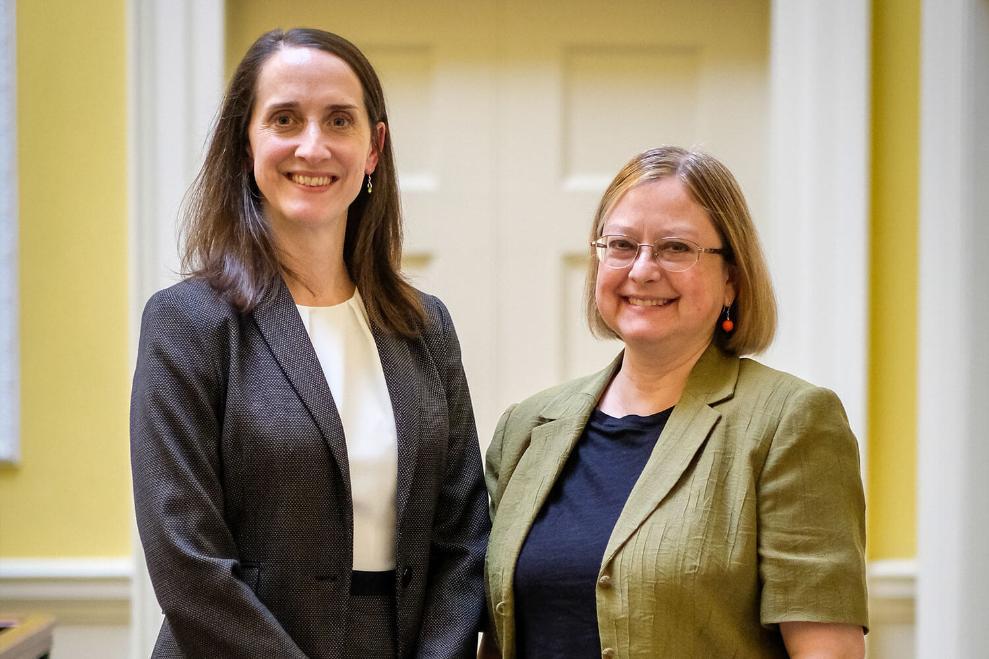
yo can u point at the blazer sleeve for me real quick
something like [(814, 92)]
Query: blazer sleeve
[(454, 604), (812, 517), (176, 412)]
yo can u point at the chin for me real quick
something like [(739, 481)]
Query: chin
[(639, 338), (641, 331)]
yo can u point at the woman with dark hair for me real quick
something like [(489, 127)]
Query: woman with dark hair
[(684, 501), (306, 469)]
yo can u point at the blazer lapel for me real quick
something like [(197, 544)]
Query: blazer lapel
[(281, 327), (561, 423), (711, 381), (405, 392)]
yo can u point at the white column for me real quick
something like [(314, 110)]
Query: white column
[(818, 245), (175, 80), (953, 451), (9, 219)]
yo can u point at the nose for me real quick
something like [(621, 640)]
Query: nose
[(644, 267), (313, 145)]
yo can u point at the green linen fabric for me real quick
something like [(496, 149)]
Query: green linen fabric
[(749, 512)]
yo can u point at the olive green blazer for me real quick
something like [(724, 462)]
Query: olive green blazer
[(748, 513)]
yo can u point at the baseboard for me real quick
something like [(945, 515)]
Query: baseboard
[(77, 591), (892, 591), (98, 591)]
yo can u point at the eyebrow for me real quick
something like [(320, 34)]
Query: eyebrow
[(676, 231), (292, 105)]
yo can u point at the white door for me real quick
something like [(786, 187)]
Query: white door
[(583, 86), (510, 117)]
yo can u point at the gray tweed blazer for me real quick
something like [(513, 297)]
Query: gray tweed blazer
[(242, 492)]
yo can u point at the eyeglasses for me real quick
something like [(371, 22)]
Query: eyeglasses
[(672, 254)]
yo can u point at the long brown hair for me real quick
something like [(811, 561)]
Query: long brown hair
[(713, 186), (228, 240)]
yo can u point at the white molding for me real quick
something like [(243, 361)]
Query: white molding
[(9, 220), (892, 608), (818, 239), (893, 579), (953, 385), (175, 80), (12, 569), (30, 579)]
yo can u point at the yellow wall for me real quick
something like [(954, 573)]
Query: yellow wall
[(893, 344), (70, 494)]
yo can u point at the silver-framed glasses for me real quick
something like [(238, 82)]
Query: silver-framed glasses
[(673, 254)]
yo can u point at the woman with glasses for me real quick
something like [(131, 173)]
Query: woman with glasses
[(306, 469), (684, 501)]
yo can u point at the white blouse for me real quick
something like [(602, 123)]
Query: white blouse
[(349, 358)]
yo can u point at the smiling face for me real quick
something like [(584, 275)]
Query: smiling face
[(310, 139), (668, 314)]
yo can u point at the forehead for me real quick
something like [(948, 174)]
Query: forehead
[(660, 208), (302, 75)]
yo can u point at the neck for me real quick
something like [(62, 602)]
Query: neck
[(313, 265), (646, 385)]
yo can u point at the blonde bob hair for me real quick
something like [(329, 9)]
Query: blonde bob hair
[(715, 189)]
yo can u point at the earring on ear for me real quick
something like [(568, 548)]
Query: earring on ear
[(727, 325), (369, 186)]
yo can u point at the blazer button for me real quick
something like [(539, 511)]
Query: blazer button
[(608, 652), (605, 581), (501, 608)]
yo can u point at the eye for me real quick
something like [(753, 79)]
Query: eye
[(620, 244), (341, 120), (675, 247), (282, 120)]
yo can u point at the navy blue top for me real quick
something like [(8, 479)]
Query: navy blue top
[(557, 570)]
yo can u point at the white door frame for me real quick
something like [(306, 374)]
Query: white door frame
[(819, 195), (175, 80), (9, 219), (953, 308), (820, 164)]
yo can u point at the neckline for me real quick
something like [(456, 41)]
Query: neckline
[(637, 419), (339, 305)]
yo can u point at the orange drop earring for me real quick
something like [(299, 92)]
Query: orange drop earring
[(727, 325)]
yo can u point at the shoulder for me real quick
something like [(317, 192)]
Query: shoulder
[(514, 430), (189, 317), (761, 382), (189, 301), (438, 333), (560, 394), (555, 402), (437, 315), (780, 403)]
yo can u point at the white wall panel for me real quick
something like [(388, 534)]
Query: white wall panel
[(9, 220), (953, 368)]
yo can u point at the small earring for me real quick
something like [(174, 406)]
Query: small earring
[(369, 186), (726, 324)]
